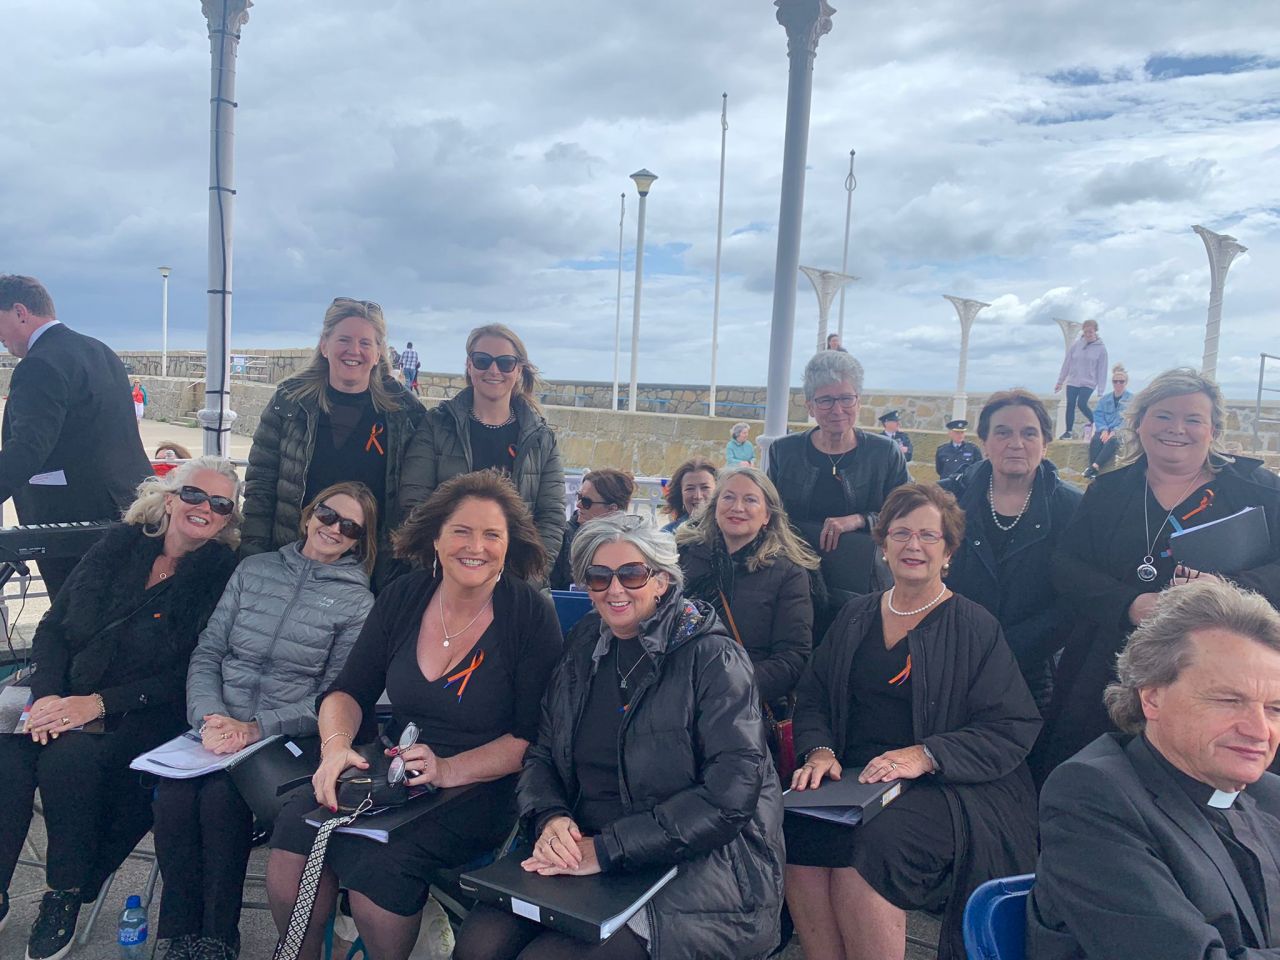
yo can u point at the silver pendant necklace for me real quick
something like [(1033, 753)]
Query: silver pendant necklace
[(454, 636), (991, 499), (622, 678), (1146, 569)]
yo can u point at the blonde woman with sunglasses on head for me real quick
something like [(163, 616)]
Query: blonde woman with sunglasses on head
[(495, 423), (344, 418)]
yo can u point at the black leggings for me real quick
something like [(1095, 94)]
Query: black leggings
[(1078, 397), (203, 833), (493, 934), (95, 808), (1103, 453)]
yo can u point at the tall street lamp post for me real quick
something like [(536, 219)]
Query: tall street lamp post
[(715, 309), (644, 180), (850, 185), (164, 320), (617, 320)]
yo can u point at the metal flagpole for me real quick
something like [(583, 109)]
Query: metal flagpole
[(617, 322), (850, 185), (715, 310)]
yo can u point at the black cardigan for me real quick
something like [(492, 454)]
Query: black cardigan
[(528, 629), (144, 658), (772, 609), (971, 708)]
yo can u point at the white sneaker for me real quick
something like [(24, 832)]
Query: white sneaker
[(435, 936)]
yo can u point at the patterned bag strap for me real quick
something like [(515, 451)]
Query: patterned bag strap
[(309, 885)]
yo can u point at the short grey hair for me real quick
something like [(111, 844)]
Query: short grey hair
[(736, 428), (1180, 382), (831, 367), (1161, 648), (147, 510), (656, 546)]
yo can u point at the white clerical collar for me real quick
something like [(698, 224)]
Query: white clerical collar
[(1223, 799)]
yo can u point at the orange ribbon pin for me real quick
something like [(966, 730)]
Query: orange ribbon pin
[(902, 674), (465, 674), (374, 433)]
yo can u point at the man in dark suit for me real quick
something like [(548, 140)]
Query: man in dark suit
[(889, 420), (69, 445), (1164, 844)]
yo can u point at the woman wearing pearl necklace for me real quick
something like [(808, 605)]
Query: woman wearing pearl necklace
[(914, 684), (1016, 510), (1116, 558)]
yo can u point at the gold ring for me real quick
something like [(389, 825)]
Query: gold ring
[(66, 721), (226, 736)]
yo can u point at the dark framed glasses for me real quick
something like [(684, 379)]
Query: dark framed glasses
[(847, 402), (483, 361), (396, 772), (632, 576), (586, 503), (222, 506), (329, 516)]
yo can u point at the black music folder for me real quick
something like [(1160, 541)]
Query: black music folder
[(588, 908), (844, 801), (380, 822), (1229, 545)]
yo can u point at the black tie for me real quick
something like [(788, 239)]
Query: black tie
[(1248, 838)]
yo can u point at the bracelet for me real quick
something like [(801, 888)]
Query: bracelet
[(815, 750), (325, 741), (102, 706)]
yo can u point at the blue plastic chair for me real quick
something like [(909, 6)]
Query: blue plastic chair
[(995, 919), (571, 606)]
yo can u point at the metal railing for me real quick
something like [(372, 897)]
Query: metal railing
[(1257, 407)]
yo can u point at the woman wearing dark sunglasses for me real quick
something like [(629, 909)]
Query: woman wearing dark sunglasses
[(651, 751), (112, 653), (603, 492), (279, 636), (495, 423), (463, 647), (343, 418)]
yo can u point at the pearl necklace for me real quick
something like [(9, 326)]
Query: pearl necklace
[(912, 613), (511, 418), (991, 501)]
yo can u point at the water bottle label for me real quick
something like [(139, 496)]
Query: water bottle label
[(132, 935)]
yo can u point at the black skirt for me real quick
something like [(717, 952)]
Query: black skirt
[(397, 875), (906, 853)]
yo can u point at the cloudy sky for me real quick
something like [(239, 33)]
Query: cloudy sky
[(462, 163)]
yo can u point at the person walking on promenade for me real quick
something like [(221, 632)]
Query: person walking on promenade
[(1084, 369)]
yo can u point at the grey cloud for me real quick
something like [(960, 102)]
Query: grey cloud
[(1153, 178)]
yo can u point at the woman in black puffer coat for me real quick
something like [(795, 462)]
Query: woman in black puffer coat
[(651, 752)]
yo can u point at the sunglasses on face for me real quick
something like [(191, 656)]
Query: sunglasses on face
[(396, 771), (483, 361), (586, 503), (632, 576), (195, 496), (826, 403), (329, 516)]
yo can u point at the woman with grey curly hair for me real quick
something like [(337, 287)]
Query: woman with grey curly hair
[(651, 752), (112, 654), (1119, 552), (834, 478)]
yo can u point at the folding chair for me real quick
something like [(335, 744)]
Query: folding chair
[(995, 919)]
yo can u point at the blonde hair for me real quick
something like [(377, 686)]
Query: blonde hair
[(308, 385), (779, 539), (526, 389), (1180, 382), (1119, 369), (147, 510)]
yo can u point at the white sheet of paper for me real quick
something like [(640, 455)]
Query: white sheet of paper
[(54, 478)]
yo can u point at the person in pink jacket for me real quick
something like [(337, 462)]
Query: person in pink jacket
[(1084, 369)]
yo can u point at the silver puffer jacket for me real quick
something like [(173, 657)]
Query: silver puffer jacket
[(279, 636)]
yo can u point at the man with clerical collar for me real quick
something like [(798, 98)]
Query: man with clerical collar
[(1163, 842)]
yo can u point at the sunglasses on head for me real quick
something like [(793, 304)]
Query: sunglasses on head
[(329, 516), (195, 496), (632, 576), (366, 304), (483, 361)]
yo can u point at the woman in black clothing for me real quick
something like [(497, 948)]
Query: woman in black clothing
[(742, 557), (650, 752), (344, 418), (913, 684), (1116, 555), (833, 478), (1016, 511), (603, 492), (464, 649), (113, 650)]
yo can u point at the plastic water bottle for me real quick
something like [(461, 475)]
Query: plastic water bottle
[(131, 935)]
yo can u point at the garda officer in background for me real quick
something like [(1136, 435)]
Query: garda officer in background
[(889, 421), (957, 453)]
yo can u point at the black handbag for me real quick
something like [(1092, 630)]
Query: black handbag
[(375, 784)]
